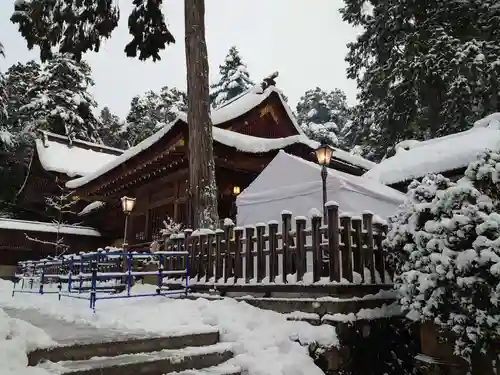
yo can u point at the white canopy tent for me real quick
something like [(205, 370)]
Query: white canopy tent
[(293, 184)]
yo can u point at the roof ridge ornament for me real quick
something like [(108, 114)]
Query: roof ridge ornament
[(269, 81)]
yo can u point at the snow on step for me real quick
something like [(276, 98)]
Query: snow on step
[(223, 369), (174, 356)]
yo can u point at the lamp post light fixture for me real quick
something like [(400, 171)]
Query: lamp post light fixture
[(127, 207), (236, 190), (324, 155)]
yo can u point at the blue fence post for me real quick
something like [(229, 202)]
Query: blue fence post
[(129, 271), (187, 273), (60, 270), (80, 284), (42, 277), (160, 274), (70, 273), (93, 282)]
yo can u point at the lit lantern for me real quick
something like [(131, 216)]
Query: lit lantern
[(324, 155), (128, 205), (236, 190)]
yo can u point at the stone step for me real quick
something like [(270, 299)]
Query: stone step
[(121, 346), (223, 369), (154, 363), (281, 290), (320, 306)]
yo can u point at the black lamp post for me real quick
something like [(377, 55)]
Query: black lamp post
[(324, 155)]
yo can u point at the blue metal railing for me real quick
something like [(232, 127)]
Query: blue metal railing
[(99, 267)]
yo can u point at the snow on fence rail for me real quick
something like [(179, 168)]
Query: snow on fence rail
[(346, 249), (96, 267)]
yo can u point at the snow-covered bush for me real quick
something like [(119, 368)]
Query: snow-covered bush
[(446, 241), (170, 227)]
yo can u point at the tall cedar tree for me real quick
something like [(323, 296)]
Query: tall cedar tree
[(202, 186), (323, 115), (4, 135), (83, 27), (234, 79), (151, 111), (424, 69), (111, 129), (61, 102)]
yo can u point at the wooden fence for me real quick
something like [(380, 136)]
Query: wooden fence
[(346, 246)]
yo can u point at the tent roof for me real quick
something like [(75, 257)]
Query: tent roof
[(289, 175)]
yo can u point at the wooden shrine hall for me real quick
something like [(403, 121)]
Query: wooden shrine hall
[(248, 132), (56, 160)]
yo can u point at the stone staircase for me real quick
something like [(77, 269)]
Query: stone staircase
[(200, 353)]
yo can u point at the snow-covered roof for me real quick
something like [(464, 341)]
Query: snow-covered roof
[(38, 226), (242, 142), (229, 138), (414, 159), (245, 102), (72, 160), (91, 207)]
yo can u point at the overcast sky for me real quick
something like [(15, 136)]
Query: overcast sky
[(305, 40)]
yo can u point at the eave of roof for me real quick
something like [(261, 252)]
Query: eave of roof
[(245, 143), (438, 155)]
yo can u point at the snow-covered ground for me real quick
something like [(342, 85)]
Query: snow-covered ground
[(265, 343), (16, 339)]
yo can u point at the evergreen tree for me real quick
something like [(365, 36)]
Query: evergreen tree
[(234, 79), (323, 115), (424, 69), (21, 90), (112, 129), (61, 102), (150, 112), (446, 239)]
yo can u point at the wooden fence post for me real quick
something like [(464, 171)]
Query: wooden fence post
[(261, 261), (316, 248), (238, 248), (219, 235), (332, 209), (345, 222), (190, 256), (210, 255), (388, 270), (228, 235), (249, 232), (286, 218), (300, 250), (180, 261), (379, 252), (202, 269), (358, 247), (195, 243), (273, 246), (369, 261)]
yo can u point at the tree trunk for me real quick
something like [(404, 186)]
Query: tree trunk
[(202, 186)]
